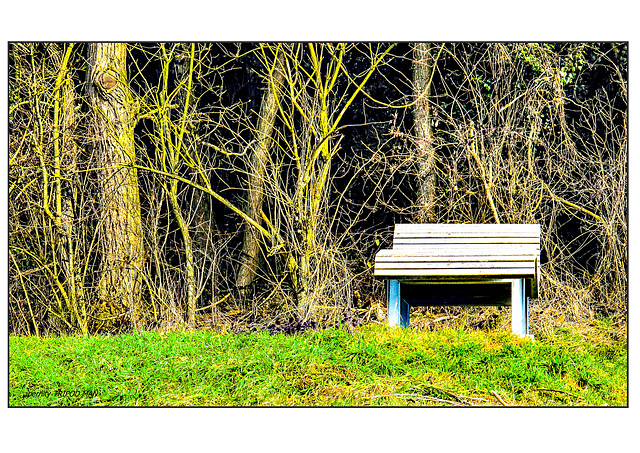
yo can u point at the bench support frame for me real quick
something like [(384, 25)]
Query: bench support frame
[(398, 308)]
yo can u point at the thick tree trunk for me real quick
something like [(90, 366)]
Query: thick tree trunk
[(423, 66), (250, 256), (120, 221)]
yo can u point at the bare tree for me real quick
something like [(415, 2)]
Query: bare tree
[(172, 140), (256, 171)]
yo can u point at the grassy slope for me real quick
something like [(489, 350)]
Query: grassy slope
[(374, 365)]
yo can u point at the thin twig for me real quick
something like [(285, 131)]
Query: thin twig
[(494, 393), (415, 396), (459, 398), (477, 399), (559, 391)]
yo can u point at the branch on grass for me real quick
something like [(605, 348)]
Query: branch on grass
[(558, 391), (416, 396), (459, 398), (494, 393)]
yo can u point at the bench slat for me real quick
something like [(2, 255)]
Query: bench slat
[(470, 236), (471, 249), (458, 258), (437, 228), (465, 249), (466, 232), (464, 240), (473, 272), (456, 265)]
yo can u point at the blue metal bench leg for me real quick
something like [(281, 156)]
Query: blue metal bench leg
[(397, 309), (404, 314), (519, 321)]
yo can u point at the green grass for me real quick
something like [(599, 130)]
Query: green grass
[(374, 365)]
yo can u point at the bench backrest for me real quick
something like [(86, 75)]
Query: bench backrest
[(461, 251), (446, 235)]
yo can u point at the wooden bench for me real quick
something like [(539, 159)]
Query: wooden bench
[(461, 264)]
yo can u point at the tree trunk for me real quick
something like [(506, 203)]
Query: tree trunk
[(423, 66), (112, 127), (250, 256)]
